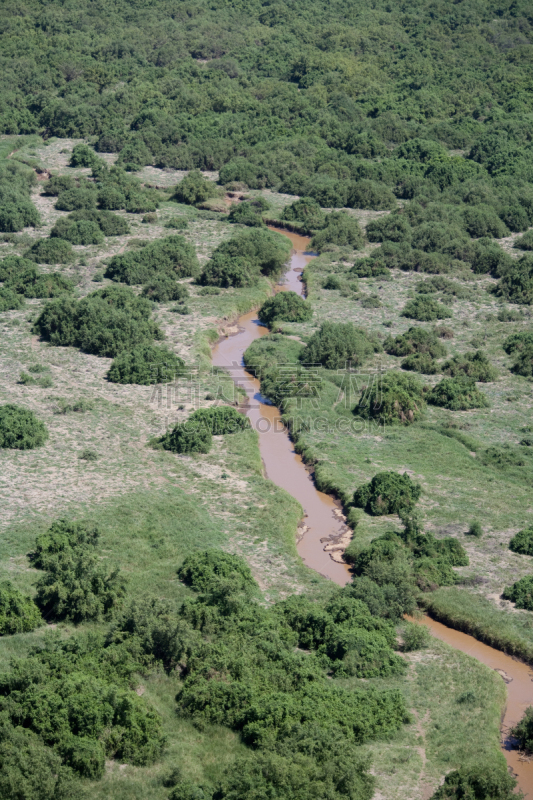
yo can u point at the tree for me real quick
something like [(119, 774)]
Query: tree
[(457, 394), (388, 493), (20, 429), (287, 306), (336, 343), (194, 189), (394, 399), (146, 365), (340, 229), (18, 613)]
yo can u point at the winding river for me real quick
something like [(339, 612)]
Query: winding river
[(323, 522)]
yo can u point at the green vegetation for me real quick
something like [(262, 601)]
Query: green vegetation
[(163, 289), (394, 399), (475, 529), (245, 257), (16, 209), (420, 362), (172, 256), (245, 214), (287, 306), (51, 251), (425, 309), (457, 394), (336, 343), (195, 189), (340, 229), (522, 542), (491, 783), (145, 365), (307, 212), (388, 493), (18, 613), (20, 429), (104, 323), (30, 282), (520, 593), (473, 365), (516, 285), (207, 569), (524, 731), (524, 242), (416, 340)]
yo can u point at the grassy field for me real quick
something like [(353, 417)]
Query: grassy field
[(154, 507)]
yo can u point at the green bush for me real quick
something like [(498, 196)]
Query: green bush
[(178, 223), (332, 282), (392, 227), (475, 529), (307, 212), (369, 194), (521, 593), (12, 266), (195, 189), (484, 781), (187, 438), (369, 268), (245, 214), (425, 309), (202, 571), (415, 637), (140, 203), (51, 251), (84, 232), (164, 289), (17, 214), (394, 399), (145, 365), (340, 229), (388, 493), (104, 323), (220, 419), (245, 257), (522, 542), (524, 242), (287, 306), (109, 224), (457, 394), (336, 343), (502, 457), (78, 198), (10, 300), (172, 256), (482, 220), (62, 537), (83, 156), (18, 613), (58, 184), (473, 365), (416, 340), (20, 429), (111, 198), (524, 731), (32, 283), (488, 256), (516, 285), (420, 362)]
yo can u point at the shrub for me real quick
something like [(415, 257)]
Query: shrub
[(10, 300), (473, 365), (482, 220), (241, 260), (475, 529), (12, 266), (172, 256), (74, 199), (18, 613), (420, 362), (20, 429), (51, 251), (415, 637), (340, 229), (484, 781), (62, 537), (32, 283), (111, 198), (517, 342), (178, 223), (104, 323), (287, 306), (109, 224), (369, 194), (369, 268), (17, 214), (425, 309), (245, 214), (371, 301), (145, 365), (416, 340), (83, 156), (516, 285), (457, 394), (336, 343), (195, 189), (488, 256), (388, 493), (84, 232), (395, 400), (502, 457), (307, 212), (392, 227), (524, 242), (201, 571), (332, 282), (140, 203), (58, 184), (521, 593), (524, 731), (220, 419), (187, 438), (164, 289)]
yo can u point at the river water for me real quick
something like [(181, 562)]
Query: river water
[(284, 467)]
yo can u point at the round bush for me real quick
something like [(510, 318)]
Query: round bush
[(18, 613), (17, 214), (32, 283), (306, 211), (516, 285), (245, 214), (416, 340), (336, 343), (415, 637), (172, 256), (521, 593), (164, 290), (524, 731), (425, 309), (522, 542), (420, 362), (388, 493), (74, 199), (220, 420), (83, 232), (111, 198), (140, 203), (83, 156), (20, 429), (523, 364), (145, 365), (457, 394), (58, 184), (195, 189), (188, 437), (524, 242), (201, 571), (287, 306), (10, 300), (472, 365), (396, 399), (340, 229), (51, 251)]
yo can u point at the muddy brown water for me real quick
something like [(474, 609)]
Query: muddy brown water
[(284, 467)]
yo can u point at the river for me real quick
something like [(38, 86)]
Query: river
[(323, 522)]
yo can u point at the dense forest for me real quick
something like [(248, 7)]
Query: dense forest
[(159, 635)]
